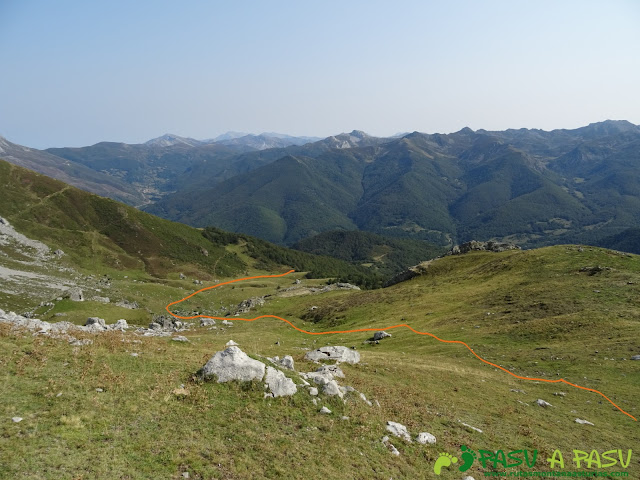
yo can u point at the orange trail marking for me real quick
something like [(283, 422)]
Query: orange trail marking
[(560, 380)]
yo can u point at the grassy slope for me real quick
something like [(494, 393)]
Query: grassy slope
[(546, 318)]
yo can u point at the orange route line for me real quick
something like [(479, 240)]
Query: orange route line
[(560, 380)]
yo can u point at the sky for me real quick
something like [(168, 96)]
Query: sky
[(78, 72)]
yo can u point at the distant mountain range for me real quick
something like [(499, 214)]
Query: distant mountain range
[(532, 187)]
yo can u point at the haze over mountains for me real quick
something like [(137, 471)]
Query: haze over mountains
[(529, 186)]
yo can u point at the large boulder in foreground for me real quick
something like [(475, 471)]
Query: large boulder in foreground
[(339, 354), (233, 364)]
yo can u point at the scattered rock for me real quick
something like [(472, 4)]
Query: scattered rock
[(233, 364), (325, 410), (127, 304), (560, 394), (279, 384), (155, 326), (344, 417), (331, 389), (247, 305), (542, 403), (340, 354), (75, 295), (58, 253), (101, 299), (183, 276), (389, 445), (583, 422), (227, 323), (334, 370), (425, 438), (287, 362), (313, 391), (635, 357), (398, 430), (231, 343), (474, 245), (96, 323), (180, 338), (121, 325), (134, 354), (364, 399), (15, 419), (207, 322), (380, 335), (472, 428), (99, 390)]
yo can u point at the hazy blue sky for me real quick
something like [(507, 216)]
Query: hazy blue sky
[(78, 72)]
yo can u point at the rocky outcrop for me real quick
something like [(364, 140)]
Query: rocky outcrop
[(127, 304), (475, 246), (61, 330), (409, 273), (250, 303), (75, 294)]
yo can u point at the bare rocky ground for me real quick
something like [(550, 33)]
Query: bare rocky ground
[(29, 268)]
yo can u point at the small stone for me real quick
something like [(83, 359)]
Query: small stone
[(583, 422), (180, 338), (313, 391), (134, 354), (635, 357), (185, 474), (344, 417), (99, 390), (16, 419), (59, 394), (398, 430), (380, 335), (325, 410), (364, 399), (542, 403), (424, 438), (560, 394)]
